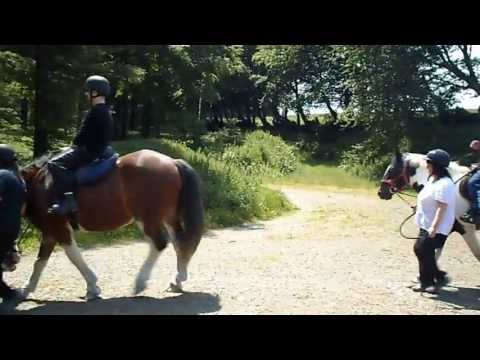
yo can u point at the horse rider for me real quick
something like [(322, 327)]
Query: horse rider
[(473, 215), (89, 144)]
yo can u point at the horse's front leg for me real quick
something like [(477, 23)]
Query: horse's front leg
[(75, 256), (46, 247)]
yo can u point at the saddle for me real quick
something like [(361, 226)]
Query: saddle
[(98, 169)]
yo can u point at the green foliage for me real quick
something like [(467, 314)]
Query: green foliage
[(262, 155), (363, 159)]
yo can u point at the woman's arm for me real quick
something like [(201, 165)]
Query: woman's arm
[(438, 218)]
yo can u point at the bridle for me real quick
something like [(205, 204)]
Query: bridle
[(397, 190)]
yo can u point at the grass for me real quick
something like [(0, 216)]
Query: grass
[(324, 175)]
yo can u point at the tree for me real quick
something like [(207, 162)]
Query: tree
[(455, 66)]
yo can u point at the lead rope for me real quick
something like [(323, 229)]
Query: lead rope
[(414, 209)]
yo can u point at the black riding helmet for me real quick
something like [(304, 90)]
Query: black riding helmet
[(8, 156), (98, 83), (439, 157)]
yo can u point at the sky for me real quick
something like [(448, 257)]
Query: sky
[(466, 100)]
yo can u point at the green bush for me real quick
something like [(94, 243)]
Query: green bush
[(216, 142), (368, 159), (262, 155)]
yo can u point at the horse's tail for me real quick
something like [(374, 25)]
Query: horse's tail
[(190, 203)]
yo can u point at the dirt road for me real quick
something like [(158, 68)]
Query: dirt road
[(340, 253)]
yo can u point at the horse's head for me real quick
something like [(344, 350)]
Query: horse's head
[(32, 175), (397, 176)]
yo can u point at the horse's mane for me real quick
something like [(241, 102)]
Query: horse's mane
[(39, 165)]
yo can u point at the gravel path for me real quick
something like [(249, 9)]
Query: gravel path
[(340, 253)]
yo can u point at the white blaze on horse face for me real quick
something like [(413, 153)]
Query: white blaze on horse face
[(421, 173)]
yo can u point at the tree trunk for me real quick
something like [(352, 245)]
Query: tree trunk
[(40, 132), (297, 104), (133, 113), (333, 113), (263, 119), (147, 119), (285, 114), (249, 118), (24, 113), (200, 109), (121, 118), (79, 116), (125, 118), (303, 116), (156, 118), (277, 118)]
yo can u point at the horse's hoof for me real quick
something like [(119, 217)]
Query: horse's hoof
[(93, 295), (9, 305), (140, 286), (22, 294), (174, 288)]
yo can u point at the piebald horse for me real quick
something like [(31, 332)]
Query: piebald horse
[(162, 195), (410, 170)]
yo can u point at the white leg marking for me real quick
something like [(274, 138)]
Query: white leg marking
[(74, 255), (32, 283), (182, 272), (146, 270)]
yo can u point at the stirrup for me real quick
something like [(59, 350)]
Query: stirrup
[(468, 217), (66, 206)]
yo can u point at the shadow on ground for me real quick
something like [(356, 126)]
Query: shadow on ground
[(460, 298), (188, 303)]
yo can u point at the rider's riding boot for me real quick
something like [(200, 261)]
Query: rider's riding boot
[(472, 217), (65, 206)]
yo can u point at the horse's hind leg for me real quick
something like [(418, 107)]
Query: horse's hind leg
[(46, 247), (185, 246), (159, 240)]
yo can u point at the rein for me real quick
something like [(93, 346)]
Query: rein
[(414, 209)]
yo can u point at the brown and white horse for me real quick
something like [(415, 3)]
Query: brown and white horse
[(161, 194)]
